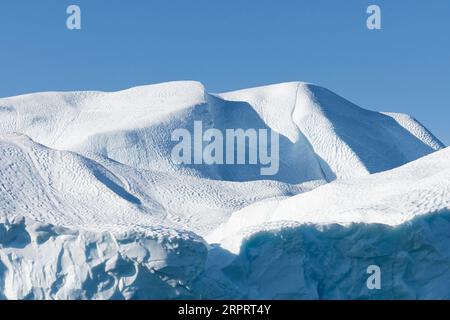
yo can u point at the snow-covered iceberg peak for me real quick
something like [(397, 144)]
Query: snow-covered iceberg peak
[(93, 205)]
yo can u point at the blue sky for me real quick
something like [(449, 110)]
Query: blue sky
[(232, 44)]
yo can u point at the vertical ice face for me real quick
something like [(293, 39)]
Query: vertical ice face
[(42, 261)]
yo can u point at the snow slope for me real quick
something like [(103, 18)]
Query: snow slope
[(348, 141), (92, 205), (67, 189), (396, 196), (319, 244), (322, 133)]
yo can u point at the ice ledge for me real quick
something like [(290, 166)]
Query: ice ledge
[(42, 261)]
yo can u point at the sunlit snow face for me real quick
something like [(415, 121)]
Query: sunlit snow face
[(235, 147)]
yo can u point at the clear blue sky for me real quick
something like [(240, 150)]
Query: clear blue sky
[(231, 44)]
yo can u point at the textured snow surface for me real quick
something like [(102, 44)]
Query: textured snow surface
[(92, 206), (392, 197)]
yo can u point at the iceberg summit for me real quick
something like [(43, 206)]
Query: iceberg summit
[(312, 197)]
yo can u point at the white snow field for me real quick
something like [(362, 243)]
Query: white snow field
[(92, 206)]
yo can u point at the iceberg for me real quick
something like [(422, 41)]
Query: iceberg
[(93, 205)]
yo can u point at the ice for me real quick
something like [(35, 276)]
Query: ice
[(391, 198), (93, 207)]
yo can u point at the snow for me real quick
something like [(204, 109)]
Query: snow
[(346, 140), (397, 196), (93, 207)]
